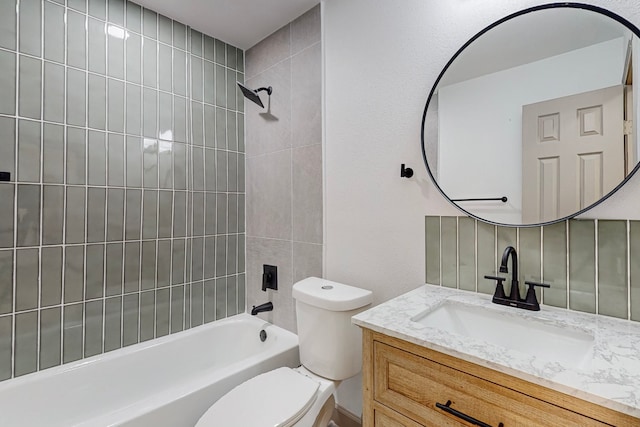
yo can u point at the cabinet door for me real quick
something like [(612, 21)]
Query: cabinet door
[(385, 417), (412, 385)]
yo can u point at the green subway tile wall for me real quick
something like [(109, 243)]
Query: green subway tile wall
[(582, 266), (432, 249), (554, 263), (467, 253), (612, 268), (124, 219), (486, 248), (588, 263), (449, 254), (530, 266)]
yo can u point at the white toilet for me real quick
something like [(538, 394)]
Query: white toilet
[(330, 351)]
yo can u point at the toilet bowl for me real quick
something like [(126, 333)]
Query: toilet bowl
[(330, 351)]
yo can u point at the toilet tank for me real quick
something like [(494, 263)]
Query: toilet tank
[(330, 345)]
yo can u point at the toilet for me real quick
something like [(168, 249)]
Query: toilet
[(330, 351)]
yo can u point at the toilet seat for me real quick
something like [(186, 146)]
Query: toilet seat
[(277, 398)]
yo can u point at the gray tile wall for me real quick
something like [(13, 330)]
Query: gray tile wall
[(590, 264), (284, 163), (123, 221)]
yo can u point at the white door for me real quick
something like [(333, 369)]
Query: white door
[(572, 152)]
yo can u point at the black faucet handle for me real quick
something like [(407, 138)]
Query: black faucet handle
[(532, 284), (531, 294), (499, 292)]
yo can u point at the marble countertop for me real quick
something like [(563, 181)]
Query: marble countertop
[(611, 378)]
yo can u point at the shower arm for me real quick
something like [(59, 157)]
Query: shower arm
[(267, 89)]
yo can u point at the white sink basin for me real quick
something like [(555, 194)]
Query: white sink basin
[(568, 346)]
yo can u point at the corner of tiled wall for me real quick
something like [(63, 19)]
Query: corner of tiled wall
[(284, 163), (123, 219), (588, 263)]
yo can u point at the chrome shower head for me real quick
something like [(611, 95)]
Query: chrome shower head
[(253, 94)]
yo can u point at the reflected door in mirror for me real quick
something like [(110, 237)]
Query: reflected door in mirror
[(572, 153)]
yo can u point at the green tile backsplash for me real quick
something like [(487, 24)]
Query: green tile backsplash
[(449, 251), (612, 268), (586, 262), (530, 266), (486, 255), (467, 253), (582, 266), (554, 262), (124, 218), (432, 227)]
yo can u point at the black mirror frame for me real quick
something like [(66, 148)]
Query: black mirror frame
[(608, 13)]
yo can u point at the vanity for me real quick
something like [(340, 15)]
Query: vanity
[(437, 357), (515, 133)]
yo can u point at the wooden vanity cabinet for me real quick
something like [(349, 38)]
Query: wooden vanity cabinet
[(403, 382)]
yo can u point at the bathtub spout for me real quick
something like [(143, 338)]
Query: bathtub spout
[(267, 306)]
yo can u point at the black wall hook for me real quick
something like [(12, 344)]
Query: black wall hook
[(405, 172)]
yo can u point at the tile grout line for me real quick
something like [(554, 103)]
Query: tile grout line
[(15, 195), (86, 188), (475, 252), (65, 207), (496, 249), (541, 235), (41, 188), (124, 182), (63, 245), (628, 272), (597, 262), (158, 144), (520, 269), (190, 176), (123, 134), (106, 178), (457, 252), (567, 264)]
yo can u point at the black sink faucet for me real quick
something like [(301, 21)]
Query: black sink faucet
[(514, 295), (514, 300)]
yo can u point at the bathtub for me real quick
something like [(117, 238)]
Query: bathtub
[(170, 381)]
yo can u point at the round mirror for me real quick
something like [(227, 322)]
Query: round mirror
[(532, 120)]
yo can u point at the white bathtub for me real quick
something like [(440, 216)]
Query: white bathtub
[(168, 382)]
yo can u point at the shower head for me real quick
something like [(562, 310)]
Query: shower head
[(253, 94)]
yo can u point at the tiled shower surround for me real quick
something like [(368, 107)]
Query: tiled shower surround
[(591, 265), (284, 163), (123, 220)]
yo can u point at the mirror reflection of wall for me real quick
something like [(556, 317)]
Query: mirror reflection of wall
[(481, 96), (484, 117)]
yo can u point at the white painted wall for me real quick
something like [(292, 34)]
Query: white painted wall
[(381, 59), (482, 118)]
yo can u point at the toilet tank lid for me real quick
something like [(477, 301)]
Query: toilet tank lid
[(330, 295)]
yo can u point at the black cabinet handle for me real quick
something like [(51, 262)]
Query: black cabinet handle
[(447, 408)]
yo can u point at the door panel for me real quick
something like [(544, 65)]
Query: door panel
[(572, 152)]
